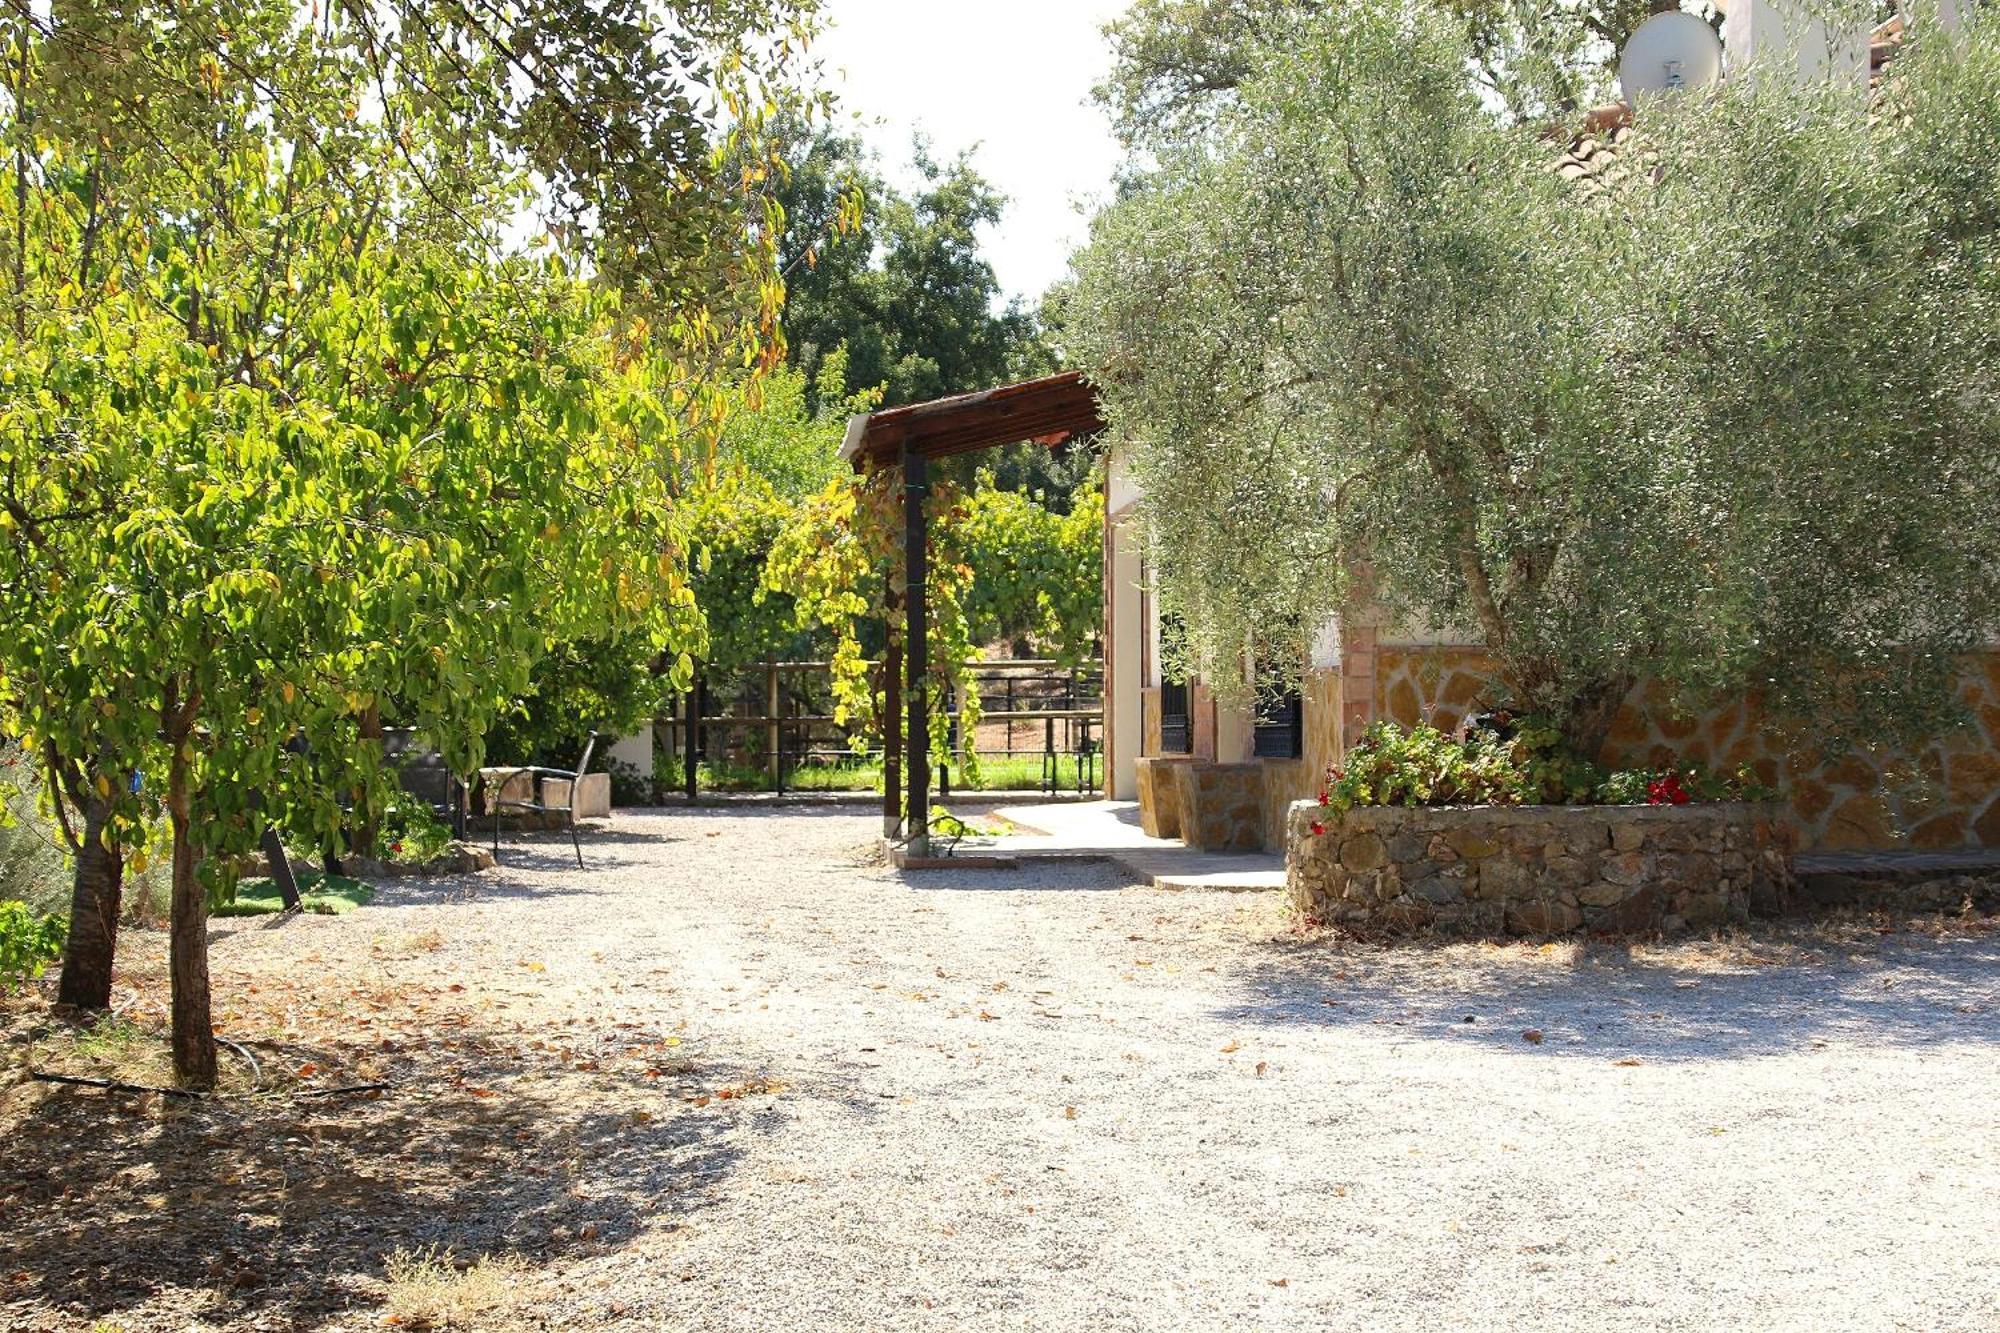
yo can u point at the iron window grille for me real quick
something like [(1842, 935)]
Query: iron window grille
[(1279, 732), (1176, 722)]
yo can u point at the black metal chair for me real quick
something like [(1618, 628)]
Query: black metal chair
[(534, 804)]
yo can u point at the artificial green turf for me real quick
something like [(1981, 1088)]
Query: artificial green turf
[(331, 895)]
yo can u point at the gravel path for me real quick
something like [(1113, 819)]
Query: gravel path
[(1046, 1100)]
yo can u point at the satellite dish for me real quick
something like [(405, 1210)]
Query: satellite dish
[(1669, 52)]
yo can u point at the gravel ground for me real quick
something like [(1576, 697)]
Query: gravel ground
[(1043, 1099)]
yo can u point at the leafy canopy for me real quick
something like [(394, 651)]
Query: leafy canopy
[(293, 438), (1725, 420)]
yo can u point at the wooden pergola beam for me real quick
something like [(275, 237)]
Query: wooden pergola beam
[(1050, 410)]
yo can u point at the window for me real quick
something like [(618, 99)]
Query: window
[(1176, 722), (1279, 731)]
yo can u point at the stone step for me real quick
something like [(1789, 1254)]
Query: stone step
[(1906, 880)]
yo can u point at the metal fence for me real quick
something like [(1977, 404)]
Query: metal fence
[(773, 727)]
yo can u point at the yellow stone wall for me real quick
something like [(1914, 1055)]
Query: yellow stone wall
[(1291, 780), (1944, 795)]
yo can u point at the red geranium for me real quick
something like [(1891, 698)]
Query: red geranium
[(1667, 791)]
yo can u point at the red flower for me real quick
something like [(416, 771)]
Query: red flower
[(1322, 797), (1667, 791), (1318, 829)]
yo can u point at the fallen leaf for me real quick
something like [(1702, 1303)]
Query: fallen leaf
[(1533, 1036), (1260, 1068), (1233, 1047), (1628, 1062), (1281, 1282), (1069, 1113)]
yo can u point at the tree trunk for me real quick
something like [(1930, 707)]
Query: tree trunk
[(194, 1033), (1590, 711), (96, 894), (365, 818)]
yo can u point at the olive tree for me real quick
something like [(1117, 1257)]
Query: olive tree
[(1718, 416)]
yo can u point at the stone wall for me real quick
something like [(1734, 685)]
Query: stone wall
[(1159, 795), (1945, 794), (1538, 870), (1221, 806), (1272, 783)]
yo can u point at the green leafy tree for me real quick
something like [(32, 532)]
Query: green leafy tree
[(1037, 574), (906, 292), (1723, 420), (289, 442)]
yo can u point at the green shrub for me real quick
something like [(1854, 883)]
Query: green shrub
[(1522, 764), (1424, 766), (33, 867), (412, 835), (29, 942)]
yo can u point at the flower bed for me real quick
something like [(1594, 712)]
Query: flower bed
[(1538, 869)]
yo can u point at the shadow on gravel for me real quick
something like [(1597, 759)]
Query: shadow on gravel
[(1030, 877), (532, 865), (755, 811), (1663, 1004), (275, 1212)]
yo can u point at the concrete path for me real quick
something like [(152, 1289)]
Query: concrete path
[(1109, 831)]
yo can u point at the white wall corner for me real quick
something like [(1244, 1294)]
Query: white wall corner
[(1785, 35), (636, 750), (1121, 492), (1326, 646), (1949, 14)]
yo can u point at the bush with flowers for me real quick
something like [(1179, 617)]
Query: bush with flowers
[(412, 835), (1507, 761)]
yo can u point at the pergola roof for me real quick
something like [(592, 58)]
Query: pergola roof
[(1048, 410)]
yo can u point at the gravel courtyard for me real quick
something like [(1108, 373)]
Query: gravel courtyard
[(738, 1075)]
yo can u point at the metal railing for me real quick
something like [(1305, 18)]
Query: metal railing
[(777, 729)]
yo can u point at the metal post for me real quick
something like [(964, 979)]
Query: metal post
[(771, 726), (691, 737), (892, 724), (916, 664)]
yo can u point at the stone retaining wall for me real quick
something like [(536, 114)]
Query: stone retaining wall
[(1538, 870)]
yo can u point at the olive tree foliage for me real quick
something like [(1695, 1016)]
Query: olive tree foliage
[(1178, 64), (1726, 423)]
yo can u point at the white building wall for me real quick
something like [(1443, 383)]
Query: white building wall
[(1782, 34), (1124, 635)]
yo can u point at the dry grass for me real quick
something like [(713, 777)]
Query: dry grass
[(122, 1049), (433, 1289), (408, 945)]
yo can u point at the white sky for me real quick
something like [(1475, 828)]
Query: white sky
[(1011, 78)]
